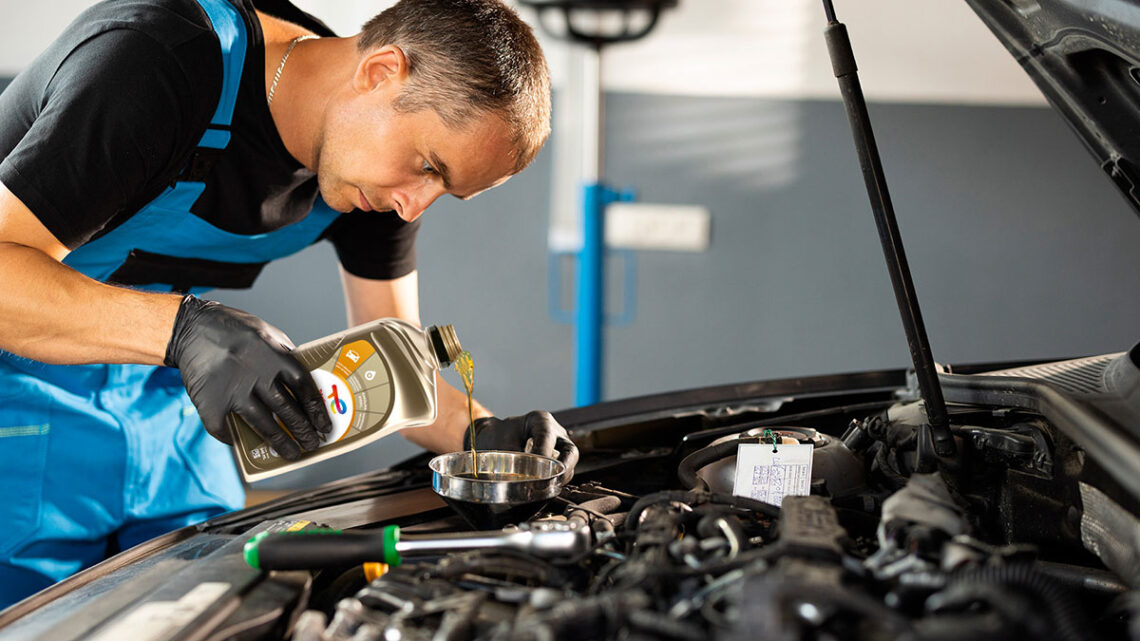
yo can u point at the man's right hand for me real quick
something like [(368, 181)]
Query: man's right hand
[(232, 361), (536, 432)]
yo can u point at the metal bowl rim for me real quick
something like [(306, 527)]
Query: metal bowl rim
[(559, 466)]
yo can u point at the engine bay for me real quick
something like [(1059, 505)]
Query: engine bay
[(1013, 538)]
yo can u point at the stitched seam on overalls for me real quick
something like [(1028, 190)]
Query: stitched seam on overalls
[(25, 430)]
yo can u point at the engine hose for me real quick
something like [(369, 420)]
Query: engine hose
[(1091, 581), (687, 470), (682, 496), (603, 504), (710, 525), (599, 508), (1056, 603), (726, 526), (595, 617), (501, 562), (662, 626)]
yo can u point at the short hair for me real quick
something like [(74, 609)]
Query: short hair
[(469, 58)]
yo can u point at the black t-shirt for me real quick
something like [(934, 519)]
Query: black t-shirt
[(108, 116)]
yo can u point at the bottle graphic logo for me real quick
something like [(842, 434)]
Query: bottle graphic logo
[(340, 403), (338, 406)]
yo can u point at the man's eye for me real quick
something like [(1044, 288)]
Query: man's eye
[(428, 169)]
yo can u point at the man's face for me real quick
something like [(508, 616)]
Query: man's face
[(374, 158)]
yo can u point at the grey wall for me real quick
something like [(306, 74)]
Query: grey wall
[(1019, 248)]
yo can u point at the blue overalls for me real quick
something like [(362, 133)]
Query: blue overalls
[(98, 458)]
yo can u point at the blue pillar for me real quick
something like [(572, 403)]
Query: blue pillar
[(591, 297), (591, 294)]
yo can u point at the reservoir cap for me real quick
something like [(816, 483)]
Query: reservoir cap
[(445, 343)]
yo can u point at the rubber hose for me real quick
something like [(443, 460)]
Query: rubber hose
[(687, 470), (743, 502), (1091, 581), (683, 496), (710, 526), (654, 623), (707, 526), (665, 496), (598, 617), (603, 505), (1056, 603), (502, 562)]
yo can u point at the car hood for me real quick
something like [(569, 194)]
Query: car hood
[(1084, 55)]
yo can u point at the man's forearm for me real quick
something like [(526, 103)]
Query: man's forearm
[(446, 434), (52, 313), (369, 299)]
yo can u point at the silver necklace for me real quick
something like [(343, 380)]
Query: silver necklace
[(281, 65)]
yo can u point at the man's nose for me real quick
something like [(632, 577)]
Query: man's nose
[(419, 200)]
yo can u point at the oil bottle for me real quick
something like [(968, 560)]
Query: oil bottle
[(375, 378)]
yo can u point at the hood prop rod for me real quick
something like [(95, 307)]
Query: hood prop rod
[(843, 63)]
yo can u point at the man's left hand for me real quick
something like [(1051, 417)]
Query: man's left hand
[(536, 432)]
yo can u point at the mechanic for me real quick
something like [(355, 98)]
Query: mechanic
[(160, 148)]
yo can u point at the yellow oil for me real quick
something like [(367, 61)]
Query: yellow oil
[(465, 365)]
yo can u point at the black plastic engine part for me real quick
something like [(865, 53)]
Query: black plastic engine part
[(696, 498), (802, 591)]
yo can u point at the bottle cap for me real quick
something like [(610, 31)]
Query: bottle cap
[(445, 343)]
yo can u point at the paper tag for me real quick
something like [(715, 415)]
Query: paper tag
[(770, 476)]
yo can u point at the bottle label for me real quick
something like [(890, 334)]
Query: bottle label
[(356, 385)]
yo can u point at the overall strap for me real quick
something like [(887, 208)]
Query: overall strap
[(230, 29), (164, 246), (100, 258)]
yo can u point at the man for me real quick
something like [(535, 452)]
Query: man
[(165, 147)]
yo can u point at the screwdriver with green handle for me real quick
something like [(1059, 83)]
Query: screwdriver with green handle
[(320, 548)]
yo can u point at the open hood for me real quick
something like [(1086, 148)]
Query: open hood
[(1084, 55)]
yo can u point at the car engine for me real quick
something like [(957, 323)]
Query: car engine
[(993, 544)]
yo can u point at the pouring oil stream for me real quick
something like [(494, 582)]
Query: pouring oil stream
[(465, 365)]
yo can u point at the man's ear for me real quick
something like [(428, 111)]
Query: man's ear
[(379, 66)]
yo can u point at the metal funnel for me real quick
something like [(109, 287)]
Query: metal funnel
[(511, 486)]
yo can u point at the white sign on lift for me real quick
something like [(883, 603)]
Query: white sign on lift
[(634, 225)]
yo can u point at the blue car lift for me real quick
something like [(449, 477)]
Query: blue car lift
[(589, 316)]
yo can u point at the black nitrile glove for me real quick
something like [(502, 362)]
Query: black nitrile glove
[(232, 361), (537, 432)]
